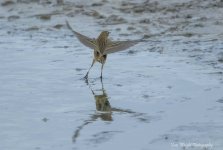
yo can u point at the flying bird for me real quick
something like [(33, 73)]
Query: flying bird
[(102, 46)]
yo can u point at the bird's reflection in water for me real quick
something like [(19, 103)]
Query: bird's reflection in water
[(104, 110), (102, 104)]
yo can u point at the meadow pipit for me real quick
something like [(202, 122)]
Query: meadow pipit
[(102, 46)]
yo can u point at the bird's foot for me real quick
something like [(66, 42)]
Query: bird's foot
[(101, 78), (86, 79), (86, 76)]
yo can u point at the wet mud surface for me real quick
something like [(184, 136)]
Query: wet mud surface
[(160, 94)]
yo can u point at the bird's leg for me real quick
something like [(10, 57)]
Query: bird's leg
[(101, 70), (102, 87), (86, 76)]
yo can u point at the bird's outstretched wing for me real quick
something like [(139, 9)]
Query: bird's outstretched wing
[(115, 46), (89, 42)]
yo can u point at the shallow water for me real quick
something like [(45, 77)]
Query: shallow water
[(161, 94)]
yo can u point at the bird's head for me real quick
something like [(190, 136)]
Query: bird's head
[(104, 34)]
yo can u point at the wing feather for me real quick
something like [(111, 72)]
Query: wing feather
[(115, 46), (89, 42)]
